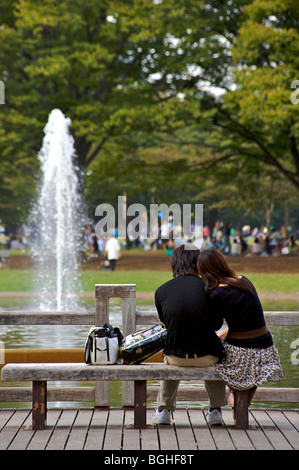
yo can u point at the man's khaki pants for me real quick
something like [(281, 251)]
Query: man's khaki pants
[(168, 388)]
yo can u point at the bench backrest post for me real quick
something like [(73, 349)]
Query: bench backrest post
[(127, 292), (101, 311)]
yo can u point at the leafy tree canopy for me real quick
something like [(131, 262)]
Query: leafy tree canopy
[(135, 78), (258, 120)]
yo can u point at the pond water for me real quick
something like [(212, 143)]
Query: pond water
[(74, 336)]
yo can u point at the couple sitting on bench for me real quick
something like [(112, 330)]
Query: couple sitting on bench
[(193, 305)]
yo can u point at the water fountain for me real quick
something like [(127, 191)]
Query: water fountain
[(57, 218)]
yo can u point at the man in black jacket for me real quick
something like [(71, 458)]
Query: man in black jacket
[(182, 305)]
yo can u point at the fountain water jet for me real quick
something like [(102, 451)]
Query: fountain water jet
[(57, 218)]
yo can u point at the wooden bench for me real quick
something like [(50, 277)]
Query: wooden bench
[(41, 373)]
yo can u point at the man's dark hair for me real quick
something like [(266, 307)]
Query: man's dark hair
[(184, 260)]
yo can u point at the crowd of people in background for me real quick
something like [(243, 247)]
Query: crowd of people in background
[(231, 241), (247, 241), (257, 241)]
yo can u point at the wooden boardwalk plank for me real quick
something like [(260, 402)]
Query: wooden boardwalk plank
[(113, 430), (149, 436), (12, 427), (285, 427), (79, 430), (203, 436), (239, 437), (24, 435), (96, 432), (221, 435), (273, 434), (41, 439), (257, 436), (184, 433), (131, 436), (5, 416), (62, 429), (293, 417), (167, 437)]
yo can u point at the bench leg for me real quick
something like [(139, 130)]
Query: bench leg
[(241, 408), (140, 404), (39, 404)]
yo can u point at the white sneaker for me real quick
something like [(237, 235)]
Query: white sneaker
[(214, 417), (161, 417)]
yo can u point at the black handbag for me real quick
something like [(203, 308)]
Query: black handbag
[(143, 344)]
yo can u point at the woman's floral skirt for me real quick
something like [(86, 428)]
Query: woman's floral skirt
[(245, 368)]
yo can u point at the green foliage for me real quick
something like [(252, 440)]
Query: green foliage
[(134, 78), (115, 67), (258, 115)]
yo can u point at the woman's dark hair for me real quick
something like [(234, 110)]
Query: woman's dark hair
[(184, 260), (214, 270)]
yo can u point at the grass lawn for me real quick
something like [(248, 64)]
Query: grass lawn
[(274, 282), (146, 281)]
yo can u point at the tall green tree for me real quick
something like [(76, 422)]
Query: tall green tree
[(118, 68), (258, 120)]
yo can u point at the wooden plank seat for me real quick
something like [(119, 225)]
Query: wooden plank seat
[(41, 373)]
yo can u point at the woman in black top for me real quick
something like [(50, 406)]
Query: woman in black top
[(251, 357)]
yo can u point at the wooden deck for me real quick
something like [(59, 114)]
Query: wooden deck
[(86, 429)]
